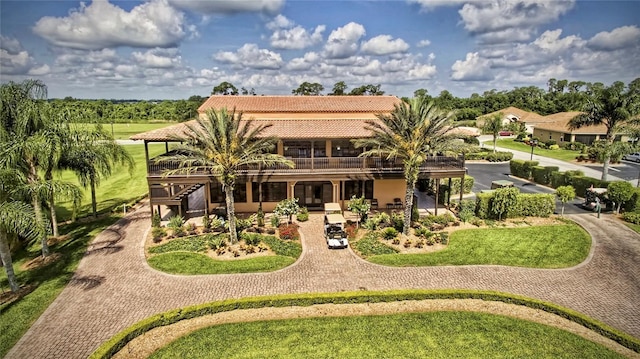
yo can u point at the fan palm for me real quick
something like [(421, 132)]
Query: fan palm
[(493, 125), (410, 133), (222, 144), (613, 107)]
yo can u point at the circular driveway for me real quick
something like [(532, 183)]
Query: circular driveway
[(114, 288)]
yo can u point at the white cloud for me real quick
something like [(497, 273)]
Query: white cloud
[(229, 6), (249, 55), (497, 16), (158, 58), (432, 4), (618, 38), (303, 63), (551, 42), (102, 25), (384, 45), (288, 36), (473, 68), (343, 41), (423, 43), (15, 60)]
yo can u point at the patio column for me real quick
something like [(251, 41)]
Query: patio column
[(461, 187), (449, 194), (437, 192)]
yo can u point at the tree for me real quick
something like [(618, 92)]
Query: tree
[(287, 207), (612, 107), (619, 192), (308, 89), (565, 194), (369, 90), (339, 89), (503, 199), (359, 206), (493, 126), (222, 144), (410, 133), (16, 218), (225, 88)]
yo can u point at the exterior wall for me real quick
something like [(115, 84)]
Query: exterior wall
[(386, 190), (546, 135)]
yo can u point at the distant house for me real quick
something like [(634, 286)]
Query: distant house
[(514, 114), (556, 127)]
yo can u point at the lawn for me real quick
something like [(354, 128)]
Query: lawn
[(122, 131), (122, 187), (551, 246), (635, 227), (17, 316), (415, 335), (559, 154)]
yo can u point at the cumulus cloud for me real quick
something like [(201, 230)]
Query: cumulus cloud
[(619, 38), (384, 45), (102, 25), (343, 41), (491, 19), (304, 63), (230, 6), (423, 43), (249, 55), (286, 35), (158, 58), (473, 68), (15, 60)]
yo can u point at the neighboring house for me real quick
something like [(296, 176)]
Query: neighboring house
[(556, 128), (315, 133), (514, 114)]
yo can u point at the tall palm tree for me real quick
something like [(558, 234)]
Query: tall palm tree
[(16, 218), (410, 133), (613, 107), (222, 144), (493, 126), (92, 155)]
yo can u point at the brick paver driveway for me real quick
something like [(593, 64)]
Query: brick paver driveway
[(114, 288)]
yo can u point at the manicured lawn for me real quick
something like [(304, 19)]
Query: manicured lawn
[(122, 187), (196, 263), (635, 227), (417, 335), (553, 246), (16, 317), (559, 154), (122, 131)]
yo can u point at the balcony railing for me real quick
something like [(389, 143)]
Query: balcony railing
[(330, 165)]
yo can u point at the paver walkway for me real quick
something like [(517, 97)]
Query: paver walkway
[(114, 288)]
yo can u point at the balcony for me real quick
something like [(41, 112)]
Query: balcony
[(331, 165)]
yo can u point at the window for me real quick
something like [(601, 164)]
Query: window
[(271, 192), (344, 148), (358, 188), (217, 194), (297, 149)]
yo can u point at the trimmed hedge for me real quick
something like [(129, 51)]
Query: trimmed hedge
[(632, 217), (489, 156), (528, 205), (542, 175), (117, 342), (522, 169), (634, 203)]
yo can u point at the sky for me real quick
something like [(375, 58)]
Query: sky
[(173, 49)]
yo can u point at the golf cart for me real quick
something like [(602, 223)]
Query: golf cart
[(595, 197), (334, 232), (497, 185)]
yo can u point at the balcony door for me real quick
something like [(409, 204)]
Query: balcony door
[(313, 195)]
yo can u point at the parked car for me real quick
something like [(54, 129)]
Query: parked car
[(632, 157), (505, 133)]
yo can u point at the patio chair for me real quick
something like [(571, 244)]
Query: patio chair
[(374, 203), (397, 203)]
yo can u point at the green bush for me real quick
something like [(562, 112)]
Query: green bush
[(632, 217), (634, 203), (522, 169), (397, 221), (369, 245), (554, 147), (389, 233), (303, 215), (466, 210), (499, 157), (252, 239), (581, 183), (155, 220), (542, 175), (157, 233), (534, 205), (176, 224), (574, 146), (483, 205), (466, 188), (422, 232)]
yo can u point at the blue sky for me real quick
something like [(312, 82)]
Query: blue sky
[(172, 49)]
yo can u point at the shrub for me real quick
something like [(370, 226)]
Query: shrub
[(155, 220), (397, 221), (217, 242), (157, 233), (534, 205), (632, 217), (466, 187), (176, 224), (206, 223), (542, 175), (190, 228), (260, 217), (242, 224), (444, 238), (369, 245), (499, 156), (619, 192), (389, 233), (303, 215), (289, 232), (467, 210), (483, 205), (380, 220), (633, 204), (287, 207), (217, 224), (359, 206), (503, 200), (422, 232), (275, 221), (554, 147), (574, 146), (419, 243), (252, 239)]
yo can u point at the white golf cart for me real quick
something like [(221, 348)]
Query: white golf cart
[(334, 222)]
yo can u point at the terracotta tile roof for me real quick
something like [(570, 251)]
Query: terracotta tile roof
[(559, 122), (284, 129), (524, 116), (307, 104)]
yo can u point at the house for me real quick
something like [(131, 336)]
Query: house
[(556, 128), (514, 114), (315, 132)]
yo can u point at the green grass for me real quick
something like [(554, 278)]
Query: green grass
[(196, 263), (559, 154), (555, 246), (416, 335), (16, 317), (369, 245), (122, 131), (635, 227), (122, 187)]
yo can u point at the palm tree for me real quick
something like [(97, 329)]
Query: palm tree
[(614, 108), (410, 133), (493, 125), (92, 155), (222, 144), (16, 218)]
